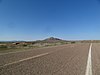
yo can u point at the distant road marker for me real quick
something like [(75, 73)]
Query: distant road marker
[(89, 63)]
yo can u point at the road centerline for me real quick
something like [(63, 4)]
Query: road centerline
[(89, 62)]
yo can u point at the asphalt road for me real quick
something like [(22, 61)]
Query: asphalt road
[(60, 60), (96, 59)]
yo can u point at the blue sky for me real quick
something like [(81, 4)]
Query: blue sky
[(39, 19)]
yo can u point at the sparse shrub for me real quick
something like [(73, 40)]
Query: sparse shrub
[(72, 42), (24, 45), (3, 46)]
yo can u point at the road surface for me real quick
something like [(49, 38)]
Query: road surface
[(72, 59)]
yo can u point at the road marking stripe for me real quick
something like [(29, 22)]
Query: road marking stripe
[(25, 59), (89, 63)]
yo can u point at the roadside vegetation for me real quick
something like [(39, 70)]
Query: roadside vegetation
[(23, 45)]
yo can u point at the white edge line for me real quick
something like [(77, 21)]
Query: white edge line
[(89, 63), (25, 59)]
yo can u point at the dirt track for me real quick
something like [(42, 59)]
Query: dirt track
[(61, 60)]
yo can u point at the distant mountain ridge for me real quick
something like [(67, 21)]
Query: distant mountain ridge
[(50, 39)]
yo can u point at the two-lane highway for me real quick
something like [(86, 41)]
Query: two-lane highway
[(59, 60)]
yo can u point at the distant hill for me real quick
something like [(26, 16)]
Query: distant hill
[(52, 39)]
